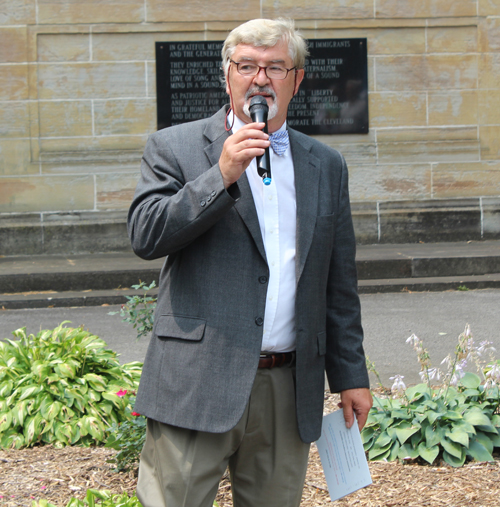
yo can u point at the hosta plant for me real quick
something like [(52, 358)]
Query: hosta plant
[(457, 421), (61, 387)]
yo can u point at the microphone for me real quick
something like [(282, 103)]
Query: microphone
[(258, 111)]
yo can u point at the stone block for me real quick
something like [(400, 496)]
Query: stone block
[(430, 221), (490, 147), (428, 134), (451, 39), (491, 217), (17, 12), (46, 193), (489, 70), (365, 221), (20, 234), (397, 109), (428, 151), (91, 80), (91, 149), (453, 108), (465, 180), (424, 8), (489, 7), (124, 117), (136, 46), (489, 107), (13, 44), (115, 191), (317, 9), (489, 35), (390, 182), (151, 79), (63, 47), (356, 148), (90, 11), (15, 158), (419, 72), (14, 119), (92, 163), (197, 10), (13, 82), (65, 118)]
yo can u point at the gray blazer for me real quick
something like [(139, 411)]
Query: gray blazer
[(202, 358)]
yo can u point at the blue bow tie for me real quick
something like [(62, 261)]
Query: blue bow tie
[(279, 142)]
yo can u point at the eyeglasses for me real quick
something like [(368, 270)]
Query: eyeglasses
[(272, 72)]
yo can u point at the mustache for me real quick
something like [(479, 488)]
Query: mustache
[(260, 90)]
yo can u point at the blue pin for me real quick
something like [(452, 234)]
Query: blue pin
[(266, 181)]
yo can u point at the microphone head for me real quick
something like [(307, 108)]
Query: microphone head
[(258, 103)]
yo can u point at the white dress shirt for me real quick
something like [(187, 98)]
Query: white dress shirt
[(277, 211)]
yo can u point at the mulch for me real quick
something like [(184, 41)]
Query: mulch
[(60, 474)]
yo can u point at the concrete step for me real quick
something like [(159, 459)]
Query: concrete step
[(96, 279)]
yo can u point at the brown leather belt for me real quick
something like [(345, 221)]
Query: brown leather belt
[(276, 360)]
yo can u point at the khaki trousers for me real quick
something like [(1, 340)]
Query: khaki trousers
[(266, 458)]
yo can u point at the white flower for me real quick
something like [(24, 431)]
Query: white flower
[(398, 385)]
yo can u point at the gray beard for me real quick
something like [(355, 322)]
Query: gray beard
[(273, 110)]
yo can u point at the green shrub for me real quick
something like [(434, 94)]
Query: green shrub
[(456, 421), (61, 387), (96, 498), (128, 439), (139, 310)]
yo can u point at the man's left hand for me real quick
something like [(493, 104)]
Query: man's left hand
[(356, 401)]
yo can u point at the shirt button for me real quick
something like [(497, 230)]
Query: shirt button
[(259, 321), (262, 279)]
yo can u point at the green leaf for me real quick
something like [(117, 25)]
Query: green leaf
[(453, 460), (97, 382), (458, 436), (478, 452), (404, 433), (32, 429), (5, 421), (383, 440), (29, 391), (394, 451), (434, 416), (428, 453), (52, 411), (470, 380), (476, 417), (433, 436), (485, 441), (6, 388), (379, 454), (19, 412), (452, 448), (408, 452), (11, 439)]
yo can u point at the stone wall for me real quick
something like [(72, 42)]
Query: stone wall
[(77, 102)]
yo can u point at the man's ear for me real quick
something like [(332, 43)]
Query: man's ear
[(299, 76)]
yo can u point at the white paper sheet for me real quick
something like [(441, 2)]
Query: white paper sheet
[(342, 456)]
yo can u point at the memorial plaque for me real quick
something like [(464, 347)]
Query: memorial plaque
[(332, 99)]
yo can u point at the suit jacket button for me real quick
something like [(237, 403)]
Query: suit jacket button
[(214, 193), (259, 321), (202, 203), (263, 279)]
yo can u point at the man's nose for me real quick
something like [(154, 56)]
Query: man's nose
[(261, 77)]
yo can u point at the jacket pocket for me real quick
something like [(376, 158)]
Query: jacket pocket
[(322, 343), (180, 327)]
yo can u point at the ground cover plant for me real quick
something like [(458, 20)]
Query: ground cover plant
[(457, 420), (61, 387)]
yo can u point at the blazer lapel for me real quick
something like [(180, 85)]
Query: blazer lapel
[(216, 133), (307, 172)]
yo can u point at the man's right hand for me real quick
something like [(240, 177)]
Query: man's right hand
[(239, 150)]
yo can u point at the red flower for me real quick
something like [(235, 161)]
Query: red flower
[(135, 414), (121, 393)]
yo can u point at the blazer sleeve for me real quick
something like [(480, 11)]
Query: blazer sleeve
[(179, 195), (345, 358)]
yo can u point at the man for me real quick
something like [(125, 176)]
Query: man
[(258, 294)]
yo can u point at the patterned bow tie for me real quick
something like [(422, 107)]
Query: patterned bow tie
[(279, 142)]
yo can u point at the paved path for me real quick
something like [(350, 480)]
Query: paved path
[(388, 319)]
